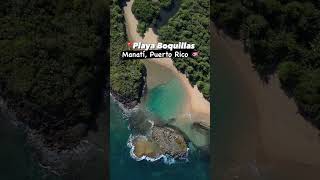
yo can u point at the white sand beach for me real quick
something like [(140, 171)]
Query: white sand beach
[(161, 70)]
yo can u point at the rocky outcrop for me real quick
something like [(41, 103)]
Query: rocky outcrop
[(145, 147), (130, 102), (161, 141), (170, 141)]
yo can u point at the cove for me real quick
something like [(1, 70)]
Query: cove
[(124, 167), (165, 100)]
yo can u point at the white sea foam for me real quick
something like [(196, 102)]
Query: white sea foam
[(126, 111), (151, 122), (132, 148), (167, 159)]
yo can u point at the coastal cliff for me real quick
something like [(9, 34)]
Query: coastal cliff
[(127, 78)]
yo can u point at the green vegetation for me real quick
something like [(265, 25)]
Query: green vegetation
[(126, 77), (282, 36), (191, 24), (52, 63), (147, 12)]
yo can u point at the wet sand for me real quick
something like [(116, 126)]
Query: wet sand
[(273, 141), (160, 71)]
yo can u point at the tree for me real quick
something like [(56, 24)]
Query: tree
[(289, 74), (282, 36), (255, 26), (308, 96)]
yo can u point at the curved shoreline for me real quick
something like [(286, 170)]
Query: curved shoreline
[(273, 135), (195, 103), (167, 159)]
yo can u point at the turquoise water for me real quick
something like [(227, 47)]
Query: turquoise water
[(165, 100), (123, 167)]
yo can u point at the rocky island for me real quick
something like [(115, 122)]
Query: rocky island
[(133, 82), (175, 93), (161, 141)]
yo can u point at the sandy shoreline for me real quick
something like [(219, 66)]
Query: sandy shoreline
[(282, 144), (195, 102)]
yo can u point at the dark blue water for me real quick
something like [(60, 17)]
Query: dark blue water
[(18, 159), (16, 156), (123, 167)]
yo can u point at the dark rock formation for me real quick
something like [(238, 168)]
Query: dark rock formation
[(170, 141), (161, 141)]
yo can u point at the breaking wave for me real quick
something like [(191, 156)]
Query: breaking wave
[(167, 159)]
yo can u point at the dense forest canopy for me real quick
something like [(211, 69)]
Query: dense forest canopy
[(191, 24), (282, 36), (126, 77), (147, 12), (52, 62)]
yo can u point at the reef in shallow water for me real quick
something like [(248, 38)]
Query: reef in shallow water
[(161, 142)]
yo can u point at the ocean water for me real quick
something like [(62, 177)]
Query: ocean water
[(165, 100), (19, 162), (124, 167), (16, 156)]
